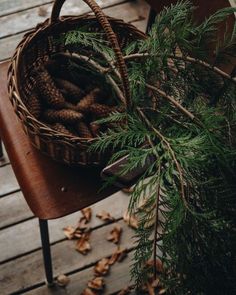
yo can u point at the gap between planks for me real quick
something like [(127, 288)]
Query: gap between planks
[(117, 279), (28, 19), (15, 6), (4, 160), (12, 239), (28, 270), (130, 11), (141, 24)]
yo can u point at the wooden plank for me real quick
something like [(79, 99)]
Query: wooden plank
[(13, 209), (4, 160), (13, 6), (141, 25), (13, 239), (117, 279), (8, 45), (28, 19), (8, 182), (28, 270)]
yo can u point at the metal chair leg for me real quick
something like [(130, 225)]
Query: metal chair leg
[(43, 224), (1, 150), (151, 19)]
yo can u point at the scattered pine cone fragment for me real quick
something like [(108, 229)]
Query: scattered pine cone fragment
[(48, 89), (83, 130), (62, 129), (71, 91), (34, 105), (101, 110), (95, 128), (88, 100), (63, 116)]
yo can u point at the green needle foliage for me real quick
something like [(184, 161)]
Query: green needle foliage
[(186, 122)]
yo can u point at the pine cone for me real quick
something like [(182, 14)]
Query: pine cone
[(83, 130), (48, 89), (71, 91), (34, 105), (95, 128), (70, 106), (101, 110), (62, 129), (64, 116), (88, 99)]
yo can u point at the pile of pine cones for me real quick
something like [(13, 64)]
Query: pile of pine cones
[(66, 107)]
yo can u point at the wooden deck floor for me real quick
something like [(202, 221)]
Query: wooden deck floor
[(21, 265)]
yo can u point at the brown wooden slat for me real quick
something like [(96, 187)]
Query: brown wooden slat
[(13, 239), (13, 6), (8, 182), (7, 45), (13, 209), (141, 24), (4, 160), (28, 270), (28, 19), (117, 279)]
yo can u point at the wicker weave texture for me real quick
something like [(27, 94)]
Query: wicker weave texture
[(36, 48)]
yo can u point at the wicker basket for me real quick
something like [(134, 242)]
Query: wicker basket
[(36, 47)]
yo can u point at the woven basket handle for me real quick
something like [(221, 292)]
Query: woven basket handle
[(102, 19)]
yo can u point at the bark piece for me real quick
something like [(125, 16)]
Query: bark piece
[(87, 214), (82, 224), (97, 284), (131, 220), (62, 280), (128, 190), (69, 232), (105, 216), (88, 291), (159, 265), (125, 291), (83, 245), (118, 255), (102, 267), (115, 234)]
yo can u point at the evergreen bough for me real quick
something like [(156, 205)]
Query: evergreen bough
[(184, 116)]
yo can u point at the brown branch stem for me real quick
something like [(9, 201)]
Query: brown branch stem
[(172, 100), (156, 225), (187, 59), (167, 144), (100, 69)]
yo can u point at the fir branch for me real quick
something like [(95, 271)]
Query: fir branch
[(100, 69), (156, 223), (95, 40), (162, 138), (186, 59), (173, 101)]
